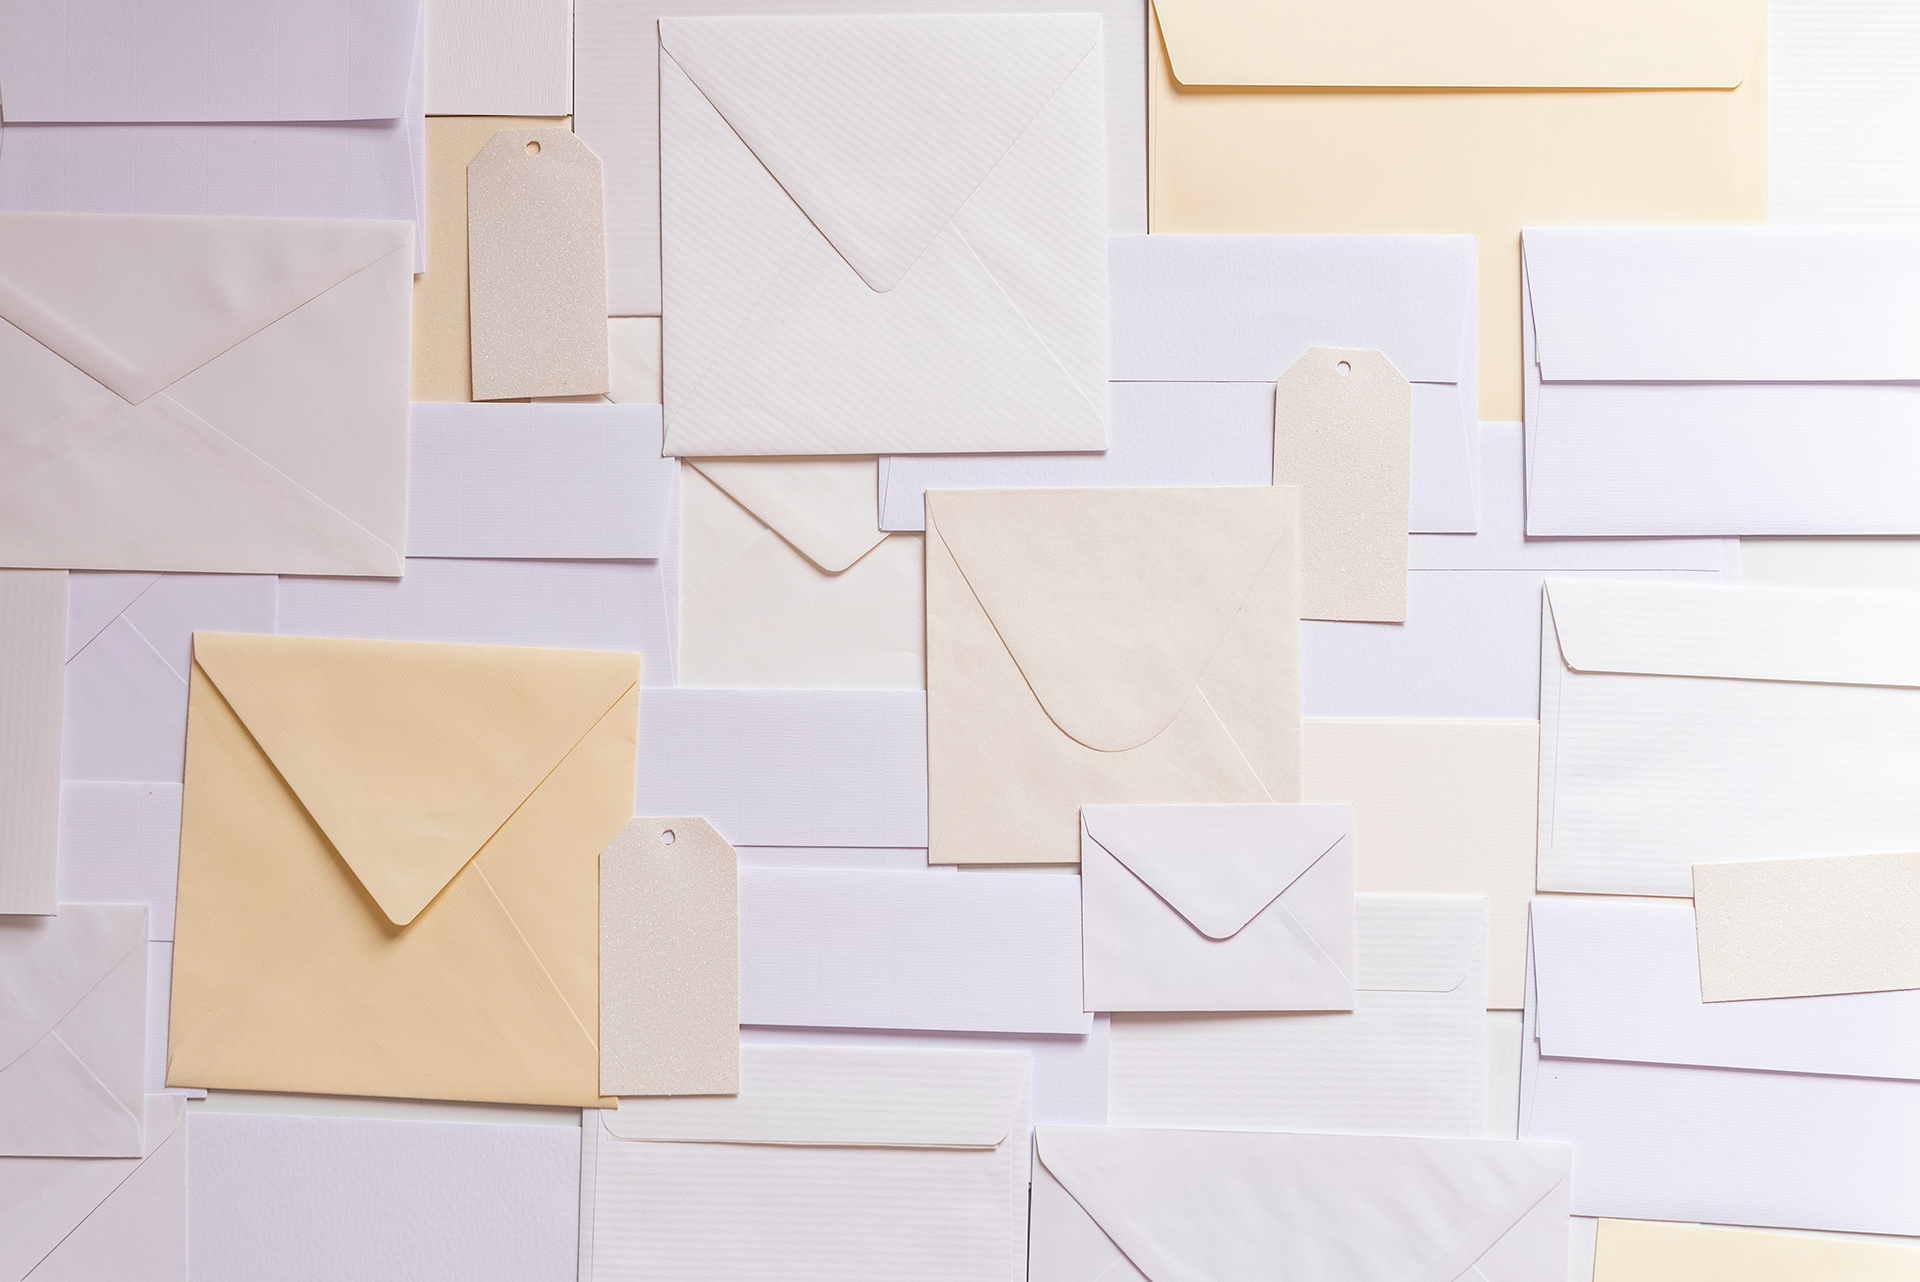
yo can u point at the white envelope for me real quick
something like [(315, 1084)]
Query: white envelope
[(789, 767), (1756, 380), (928, 949), (788, 582), (500, 57), (616, 111), (1409, 1059), (844, 1164), (1205, 908), (213, 394), (33, 633), (94, 1217), (480, 1201), (1841, 145), (883, 234), (120, 844), (1173, 1205), (73, 1008), (1202, 326), (1780, 1148), (1469, 645), (1683, 725)]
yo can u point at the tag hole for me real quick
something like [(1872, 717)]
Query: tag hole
[(533, 148), (1344, 368), (666, 838)]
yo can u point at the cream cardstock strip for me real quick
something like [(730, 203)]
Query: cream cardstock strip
[(1808, 927), (1343, 433), (669, 961), (1648, 1251), (537, 258)]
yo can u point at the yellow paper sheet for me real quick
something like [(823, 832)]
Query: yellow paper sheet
[(1643, 1251)]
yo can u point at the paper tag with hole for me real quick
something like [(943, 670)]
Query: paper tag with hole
[(1343, 433), (537, 265), (669, 961)]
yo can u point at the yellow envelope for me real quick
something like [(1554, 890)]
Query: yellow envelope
[(1481, 116), (389, 866), (1094, 647), (1643, 1251)]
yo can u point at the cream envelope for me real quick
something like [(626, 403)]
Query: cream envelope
[(1087, 647), (91, 1217), (1648, 1251), (788, 581), (1240, 908), (73, 1022), (389, 862), (1218, 1206), (1399, 116), (883, 234), (217, 394)]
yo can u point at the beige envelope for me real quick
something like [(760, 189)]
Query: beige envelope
[(389, 866), (1479, 116), (1644, 1251), (1090, 647)]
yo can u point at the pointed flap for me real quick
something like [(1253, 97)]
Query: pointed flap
[(1220, 1206), (1467, 44), (880, 128), (827, 508), (138, 302), (409, 756), (844, 1096), (1113, 602), (95, 600), (1218, 866), (48, 965)]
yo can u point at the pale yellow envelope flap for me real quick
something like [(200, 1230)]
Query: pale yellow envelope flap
[(1484, 44), (827, 508), (1642, 1251), (1112, 602), (410, 756)]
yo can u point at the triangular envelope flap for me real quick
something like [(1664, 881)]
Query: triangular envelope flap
[(1759, 634), (139, 302), (409, 756), (1218, 866), (827, 508), (1112, 602), (48, 964), (880, 128), (1490, 44), (1221, 1206), (833, 1096)]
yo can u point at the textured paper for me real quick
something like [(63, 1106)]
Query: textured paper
[(1806, 927), (537, 264), (1517, 139), (1645, 1251), (1105, 646), (500, 57), (120, 844), (1343, 432), (669, 961), (1112, 1202), (33, 642), (883, 234), (1244, 908), (396, 846)]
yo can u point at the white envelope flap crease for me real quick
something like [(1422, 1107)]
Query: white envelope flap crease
[(49, 965)]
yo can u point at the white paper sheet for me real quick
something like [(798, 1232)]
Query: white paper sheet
[(500, 57), (33, 646), (120, 844), (1843, 141)]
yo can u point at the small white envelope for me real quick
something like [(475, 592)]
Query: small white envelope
[(1210, 1206), (214, 394), (73, 1020), (1228, 908), (883, 234)]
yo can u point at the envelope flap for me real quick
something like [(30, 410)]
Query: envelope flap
[(49, 964), (1757, 634), (1218, 866), (827, 508), (1487, 44), (843, 1097), (409, 756), (1220, 1206), (138, 302), (1113, 602), (880, 128)]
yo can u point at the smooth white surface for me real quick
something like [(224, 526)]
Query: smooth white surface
[(1843, 115), (120, 844), (499, 57)]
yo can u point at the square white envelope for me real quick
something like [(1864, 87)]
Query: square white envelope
[(1217, 908), (1202, 328), (851, 1164), (1171, 1205), (210, 394), (883, 234), (1738, 380), (73, 1014), (1683, 725)]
